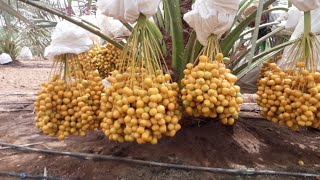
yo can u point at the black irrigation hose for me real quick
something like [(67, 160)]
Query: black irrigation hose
[(15, 103), (28, 176), (160, 164)]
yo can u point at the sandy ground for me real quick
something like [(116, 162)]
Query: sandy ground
[(251, 143)]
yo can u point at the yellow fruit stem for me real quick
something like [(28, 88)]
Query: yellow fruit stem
[(143, 51), (212, 48)]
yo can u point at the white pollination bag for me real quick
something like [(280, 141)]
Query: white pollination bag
[(315, 28), (315, 24), (276, 14), (68, 38), (93, 20), (209, 17), (128, 10), (289, 20), (306, 5), (294, 15), (111, 27), (25, 54), (5, 58)]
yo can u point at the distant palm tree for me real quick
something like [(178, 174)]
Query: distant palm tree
[(22, 25)]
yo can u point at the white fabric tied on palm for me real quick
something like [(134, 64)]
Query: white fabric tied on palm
[(25, 54), (209, 17), (93, 20), (289, 20), (128, 10), (68, 38), (111, 27), (299, 30), (5, 58), (294, 16), (306, 5)]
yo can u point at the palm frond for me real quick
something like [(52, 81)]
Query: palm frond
[(8, 9)]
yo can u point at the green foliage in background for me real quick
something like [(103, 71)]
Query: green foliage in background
[(9, 43)]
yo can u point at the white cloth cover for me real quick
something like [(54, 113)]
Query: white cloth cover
[(209, 17), (275, 15), (315, 27), (315, 24), (294, 15), (128, 10), (25, 54), (93, 20), (5, 58), (68, 38), (289, 20), (282, 20), (111, 27), (306, 5)]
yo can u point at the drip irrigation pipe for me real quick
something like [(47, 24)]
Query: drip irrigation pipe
[(28, 176), (14, 103), (160, 164)]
